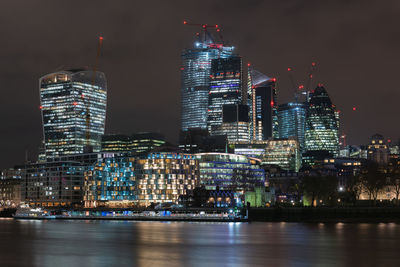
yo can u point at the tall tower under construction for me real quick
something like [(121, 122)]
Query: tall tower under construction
[(195, 79)]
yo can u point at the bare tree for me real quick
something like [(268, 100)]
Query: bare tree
[(373, 179), (394, 181)]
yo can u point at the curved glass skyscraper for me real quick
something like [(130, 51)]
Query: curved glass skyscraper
[(322, 123), (71, 101), (195, 73)]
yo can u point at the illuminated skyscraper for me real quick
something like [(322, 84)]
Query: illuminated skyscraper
[(284, 153), (261, 98), (225, 89), (235, 123), (73, 111), (291, 121), (322, 125), (195, 75)]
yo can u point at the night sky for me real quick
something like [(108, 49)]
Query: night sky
[(355, 44)]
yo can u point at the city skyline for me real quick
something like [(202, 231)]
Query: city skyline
[(132, 105)]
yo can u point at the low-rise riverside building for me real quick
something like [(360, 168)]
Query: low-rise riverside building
[(140, 181), (10, 187), (226, 171), (53, 184)]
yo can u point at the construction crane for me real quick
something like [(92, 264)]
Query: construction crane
[(293, 84), (204, 28), (301, 89), (86, 100)]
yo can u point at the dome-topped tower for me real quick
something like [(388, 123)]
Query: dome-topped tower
[(322, 123)]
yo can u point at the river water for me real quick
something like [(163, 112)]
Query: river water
[(119, 243)]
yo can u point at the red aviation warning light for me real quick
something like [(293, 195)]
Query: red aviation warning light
[(313, 64), (301, 86), (40, 107), (354, 108), (289, 69), (272, 103), (248, 64), (75, 103), (273, 79)]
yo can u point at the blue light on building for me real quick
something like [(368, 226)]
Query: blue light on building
[(291, 121), (195, 78)]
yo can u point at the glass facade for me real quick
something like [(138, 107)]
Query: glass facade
[(195, 82), (156, 178), (230, 172), (110, 179), (116, 142), (236, 131), (235, 123), (322, 127), (225, 89), (261, 98), (53, 184), (284, 153), (292, 121), (68, 100), (135, 143)]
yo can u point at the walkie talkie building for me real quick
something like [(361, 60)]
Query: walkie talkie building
[(73, 107)]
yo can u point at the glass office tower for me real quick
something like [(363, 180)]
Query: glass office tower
[(291, 121), (195, 75), (322, 126), (235, 123), (261, 98), (225, 89), (73, 107)]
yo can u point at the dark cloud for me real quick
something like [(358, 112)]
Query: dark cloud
[(356, 45)]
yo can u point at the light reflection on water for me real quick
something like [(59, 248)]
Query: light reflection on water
[(118, 243)]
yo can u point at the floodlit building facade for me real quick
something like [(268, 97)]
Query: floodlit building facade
[(73, 111), (322, 124), (378, 150), (230, 172)]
